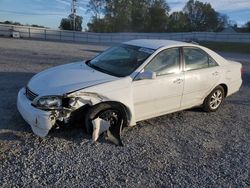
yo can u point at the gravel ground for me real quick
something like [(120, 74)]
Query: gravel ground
[(185, 149)]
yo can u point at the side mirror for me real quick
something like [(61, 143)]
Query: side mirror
[(146, 75)]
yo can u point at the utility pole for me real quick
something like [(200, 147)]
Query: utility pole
[(73, 11)]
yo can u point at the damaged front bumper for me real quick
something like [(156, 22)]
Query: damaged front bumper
[(40, 121)]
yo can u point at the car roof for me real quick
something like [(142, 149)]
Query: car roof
[(156, 44)]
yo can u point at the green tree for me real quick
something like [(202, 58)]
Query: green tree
[(222, 21), (96, 8), (129, 16), (17, 23), (118, 15), (65, 24), (247, 27), (139, 15), (178, 22), (12, 23), (201, 16), (158, 16), (109, 15), (68, 23), (97, 25)]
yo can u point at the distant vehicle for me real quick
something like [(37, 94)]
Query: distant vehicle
[(134, 81)]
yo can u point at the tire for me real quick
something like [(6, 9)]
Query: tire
[(99, 111), (214, 100)]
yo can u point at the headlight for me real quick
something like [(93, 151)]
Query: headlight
[(48, 102)]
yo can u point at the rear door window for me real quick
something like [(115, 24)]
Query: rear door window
[(197, 59)]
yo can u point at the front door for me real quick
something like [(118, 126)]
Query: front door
[(154, 97)]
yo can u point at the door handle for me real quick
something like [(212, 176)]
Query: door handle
[(215, 73), (178, 81)]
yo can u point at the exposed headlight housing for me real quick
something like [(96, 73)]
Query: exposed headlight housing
[(48, 102)]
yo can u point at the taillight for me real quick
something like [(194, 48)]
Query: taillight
[(241, 71)]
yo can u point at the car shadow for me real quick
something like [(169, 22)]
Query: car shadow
[(196, 109), (70, 133), (77, 135), (11, 83), (10, 136), (246, 78)]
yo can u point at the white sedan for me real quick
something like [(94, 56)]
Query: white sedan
[(134, 81)]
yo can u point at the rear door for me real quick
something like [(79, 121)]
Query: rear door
[(201, 75)]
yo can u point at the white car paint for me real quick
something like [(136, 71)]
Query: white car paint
[(39, 120), (99, 126), (67, 78), (150, 99), (143, 99)]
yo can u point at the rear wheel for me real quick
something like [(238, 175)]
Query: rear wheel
[(214, 99)]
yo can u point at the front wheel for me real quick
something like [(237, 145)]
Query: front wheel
[(214, 99), (113, 114)]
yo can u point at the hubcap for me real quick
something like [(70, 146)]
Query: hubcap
[(216, 99), (111, 116)]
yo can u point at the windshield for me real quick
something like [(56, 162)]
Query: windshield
[(120, 61)]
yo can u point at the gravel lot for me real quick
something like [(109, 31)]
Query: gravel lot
[(187, 149)]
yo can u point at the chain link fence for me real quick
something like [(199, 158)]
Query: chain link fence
[(76, 36)]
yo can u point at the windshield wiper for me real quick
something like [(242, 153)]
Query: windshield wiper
[(91, 65), (99, 69), (88, 63)]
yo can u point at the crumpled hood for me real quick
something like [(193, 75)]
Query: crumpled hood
[(67, 78)]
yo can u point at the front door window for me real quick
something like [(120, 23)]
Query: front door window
[(166, 62)]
